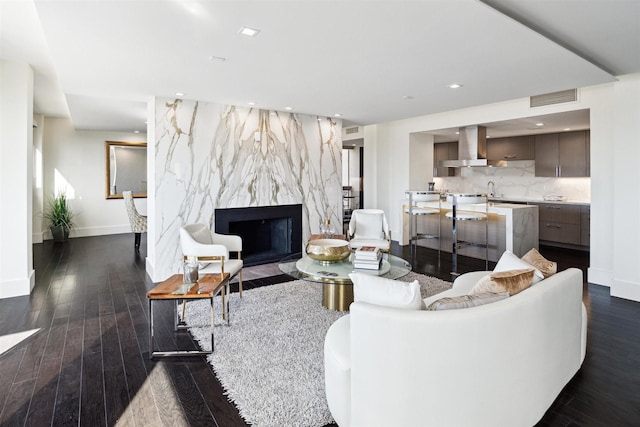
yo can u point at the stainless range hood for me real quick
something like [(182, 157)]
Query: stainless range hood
[(472, 148)]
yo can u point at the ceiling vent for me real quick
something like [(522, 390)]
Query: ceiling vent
[(351, 130), (570, 95)]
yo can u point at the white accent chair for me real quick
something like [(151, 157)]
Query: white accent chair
[(369, 227), (138, 222), (212, 249)]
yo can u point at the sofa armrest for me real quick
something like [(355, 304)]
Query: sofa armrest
[(337, 370)]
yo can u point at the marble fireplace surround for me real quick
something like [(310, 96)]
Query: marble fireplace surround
[(208, 156)]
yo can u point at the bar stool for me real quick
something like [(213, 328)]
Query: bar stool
[(420, 205), (456, 214)]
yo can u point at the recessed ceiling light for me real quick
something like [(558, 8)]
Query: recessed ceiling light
[(566, 129), (539, 124), (179, 94), (337, 115), (457, 133), (407, 97), (288, 108), (136, 131), (250, 32), (455, 86), (251, 103), (217, 58)]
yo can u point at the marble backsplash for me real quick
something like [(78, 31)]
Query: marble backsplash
[(210, 156), (518, 181)]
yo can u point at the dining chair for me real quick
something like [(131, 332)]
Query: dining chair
[(138, 222)]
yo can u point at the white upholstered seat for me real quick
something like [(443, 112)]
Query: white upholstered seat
[(212, 249), (369, 227)]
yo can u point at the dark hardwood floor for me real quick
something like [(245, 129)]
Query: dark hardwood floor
[(87, 361)]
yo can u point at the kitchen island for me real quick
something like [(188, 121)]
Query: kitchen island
[(563, 223), (512, 227)]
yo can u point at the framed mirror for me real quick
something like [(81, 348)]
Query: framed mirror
[(126, 168)]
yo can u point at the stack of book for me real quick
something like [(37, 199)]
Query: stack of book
[(367, 257)]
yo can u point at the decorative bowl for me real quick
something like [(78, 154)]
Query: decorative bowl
[(328, 250)]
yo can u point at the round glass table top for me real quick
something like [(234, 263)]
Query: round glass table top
[(302, 267)]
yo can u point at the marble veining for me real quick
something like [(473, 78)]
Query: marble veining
[(210, 156), (518, 180)]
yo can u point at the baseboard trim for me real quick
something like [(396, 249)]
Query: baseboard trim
[(19, 287), (92, 231), (626, 290), (150, 270), (600, 276)]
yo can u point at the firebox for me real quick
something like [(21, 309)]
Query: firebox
[(269, 233)]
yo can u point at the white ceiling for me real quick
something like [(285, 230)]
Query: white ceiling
[(101, 61)]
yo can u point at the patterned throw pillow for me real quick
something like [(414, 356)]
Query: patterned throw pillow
[(466, 301), (509, 261), (512, 281), (533, 257)]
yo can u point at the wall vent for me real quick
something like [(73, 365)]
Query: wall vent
[(570, 95), (352, 130)]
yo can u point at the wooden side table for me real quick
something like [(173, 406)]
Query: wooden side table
[(174, 289)]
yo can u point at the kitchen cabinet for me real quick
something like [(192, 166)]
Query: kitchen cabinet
[(585, 225), (444, 151), (587, 141), (560, 223), (511, 148), (562, 154)]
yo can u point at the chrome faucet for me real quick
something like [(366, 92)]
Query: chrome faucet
[(491, 186)]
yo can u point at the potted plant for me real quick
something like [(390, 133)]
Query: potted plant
[(60, 217)]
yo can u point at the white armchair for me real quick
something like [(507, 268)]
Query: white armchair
[(197, 240), (369, 227)]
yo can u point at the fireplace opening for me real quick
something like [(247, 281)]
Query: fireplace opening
[(269, 233)]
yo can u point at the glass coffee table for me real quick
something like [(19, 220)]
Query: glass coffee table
[(337, 289)]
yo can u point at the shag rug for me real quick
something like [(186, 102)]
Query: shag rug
[(270, 360)]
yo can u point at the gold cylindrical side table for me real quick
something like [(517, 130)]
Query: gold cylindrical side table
[(337, 296)]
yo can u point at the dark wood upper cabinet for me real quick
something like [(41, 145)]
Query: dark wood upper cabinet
[(562, 154), (511, 148), (444, 151)]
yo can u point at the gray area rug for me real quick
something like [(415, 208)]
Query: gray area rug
[(270, 360)]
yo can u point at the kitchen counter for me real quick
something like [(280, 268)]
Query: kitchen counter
[(512, 226), (522, 200)]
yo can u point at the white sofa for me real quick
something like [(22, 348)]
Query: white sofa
[(500, 364)]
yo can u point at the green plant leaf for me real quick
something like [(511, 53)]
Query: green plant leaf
[(58, 213)]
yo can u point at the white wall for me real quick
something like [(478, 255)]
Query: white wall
[(16, 150), (75, 160), (626, 189), (38, 182), (615, 175), (420, 156)]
